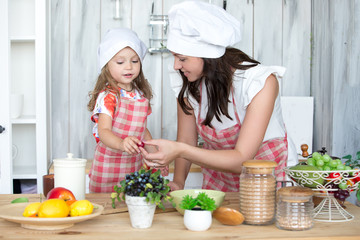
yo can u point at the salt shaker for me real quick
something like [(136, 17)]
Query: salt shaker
[(258, 192), (295, 208), (70, 173)]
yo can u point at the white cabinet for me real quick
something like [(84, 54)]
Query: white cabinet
[(23, 47)]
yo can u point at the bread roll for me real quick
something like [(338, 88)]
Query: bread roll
[(228, 216)]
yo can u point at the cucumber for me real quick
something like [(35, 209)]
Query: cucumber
[(20, 200)]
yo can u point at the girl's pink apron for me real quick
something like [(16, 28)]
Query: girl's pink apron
[(273, 149), (110, 166)]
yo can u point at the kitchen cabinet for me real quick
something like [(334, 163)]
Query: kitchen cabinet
[(23, 47)]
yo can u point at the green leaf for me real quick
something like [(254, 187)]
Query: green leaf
[(20, 200), (161, 206), (358, 155), (157, 198)]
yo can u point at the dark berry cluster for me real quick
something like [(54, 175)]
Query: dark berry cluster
[(143, 183), (140, 184)]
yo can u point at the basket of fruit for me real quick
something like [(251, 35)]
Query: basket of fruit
[(329, 178)]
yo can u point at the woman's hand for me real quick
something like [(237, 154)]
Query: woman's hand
[(175, 186), (167, 152)]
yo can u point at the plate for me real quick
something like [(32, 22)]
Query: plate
[(13, 213)]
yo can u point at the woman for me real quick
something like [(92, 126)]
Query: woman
[(226, 97)]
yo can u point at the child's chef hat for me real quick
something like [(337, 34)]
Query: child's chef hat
[(201, 29), (117, 39)]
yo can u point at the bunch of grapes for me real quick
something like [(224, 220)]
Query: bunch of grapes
[(339, 193), (326, 163)]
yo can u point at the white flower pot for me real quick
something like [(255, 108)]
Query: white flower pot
[(141, 212), (197, 220)]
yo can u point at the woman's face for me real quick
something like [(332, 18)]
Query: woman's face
[(124, 67), (192, 67)]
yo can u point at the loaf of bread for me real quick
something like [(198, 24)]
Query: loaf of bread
[(228, 216)]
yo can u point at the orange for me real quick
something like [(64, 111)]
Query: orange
[(31, 209), (53, 208), (70, 202), (81, 208)]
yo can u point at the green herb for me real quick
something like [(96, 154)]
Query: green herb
[(202, 201), (143, 183), (352, 162)]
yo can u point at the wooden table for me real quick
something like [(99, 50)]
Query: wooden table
[(115, 224)]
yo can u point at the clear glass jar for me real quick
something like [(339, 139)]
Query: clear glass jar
[(295, 208), (258, 192)]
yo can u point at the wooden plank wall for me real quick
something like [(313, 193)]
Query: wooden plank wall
[(335, 75), (275, 32)]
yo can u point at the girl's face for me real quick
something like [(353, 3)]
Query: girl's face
[(124, 67), (192, 67)]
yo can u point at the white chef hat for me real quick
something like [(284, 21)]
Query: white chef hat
[(117, 39), (201, 29)]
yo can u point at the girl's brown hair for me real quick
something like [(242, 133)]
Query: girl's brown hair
[(106, 81), (218, 77)]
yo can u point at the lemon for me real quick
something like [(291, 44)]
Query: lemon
[(53, 208), (81, 208), (31, 209)]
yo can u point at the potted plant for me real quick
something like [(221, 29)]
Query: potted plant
[(198, 211), (354, 163), (142, 191)]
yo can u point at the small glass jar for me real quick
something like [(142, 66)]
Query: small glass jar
[(258, 192), (295, 208)]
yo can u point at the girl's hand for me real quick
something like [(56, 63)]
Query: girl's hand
[(130, 145)]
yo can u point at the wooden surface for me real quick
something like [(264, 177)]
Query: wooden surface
[(169, 225)]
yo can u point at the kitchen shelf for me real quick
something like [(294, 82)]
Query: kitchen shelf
[(24, 172), (23, 47), (22, 39), (24, 120)]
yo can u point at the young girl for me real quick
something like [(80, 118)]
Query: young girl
[(120, 106), (229, 99)]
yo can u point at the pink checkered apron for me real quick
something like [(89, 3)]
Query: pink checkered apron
[(273, 149), (110, 166)]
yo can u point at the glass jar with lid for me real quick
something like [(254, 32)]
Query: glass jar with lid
[(295, 208), (258, 192)]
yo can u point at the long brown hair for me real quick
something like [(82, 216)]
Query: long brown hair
[(218, 78), (106, 81)]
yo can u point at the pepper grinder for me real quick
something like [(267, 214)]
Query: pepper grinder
[(304, 149)]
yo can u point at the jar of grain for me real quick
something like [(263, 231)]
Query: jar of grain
[(295, 208), (257, 192)]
